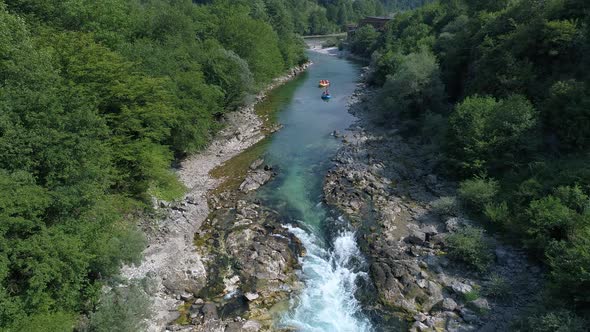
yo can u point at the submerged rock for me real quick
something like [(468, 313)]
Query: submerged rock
[(256, 164)]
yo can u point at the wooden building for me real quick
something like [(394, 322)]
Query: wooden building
[(377, 22)]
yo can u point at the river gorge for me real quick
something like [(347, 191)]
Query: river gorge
[(310, 216)]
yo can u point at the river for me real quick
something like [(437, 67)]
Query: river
[(301, 152)]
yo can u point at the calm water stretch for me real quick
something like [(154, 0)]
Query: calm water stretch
[(302, 151)]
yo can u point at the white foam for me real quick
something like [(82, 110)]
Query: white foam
[(327, 303)]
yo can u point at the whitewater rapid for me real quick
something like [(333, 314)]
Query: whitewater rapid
[(327, 302)]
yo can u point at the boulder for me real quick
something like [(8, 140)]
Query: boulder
[(186, 296), (256, 164), (438, 239), (251, 296), (420, 317), (469, 316), (251, 326), (255, 180), (419, 327), (416, 237), (435, 296), (479, 305), (209, 311), (449, 304), (460, 288), (429, 230)]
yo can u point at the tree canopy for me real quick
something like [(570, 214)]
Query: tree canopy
[(97, 100), (516, 76)]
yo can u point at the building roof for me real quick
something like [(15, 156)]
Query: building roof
[(378, 18)]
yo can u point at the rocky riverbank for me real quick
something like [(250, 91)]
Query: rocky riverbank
[(177, 268), (387, 185)]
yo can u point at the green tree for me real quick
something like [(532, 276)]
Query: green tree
[(487, 135), (363, 40), (415, 88)]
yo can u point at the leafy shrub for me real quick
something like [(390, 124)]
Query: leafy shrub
[(362, 41), (469, 246), (415, 88), (566, 114), (555, 321), (434, 129), (550, 220), (53, 322), (446, 206), (497, 287), (486, 135), (472, 295), (497, 213), (478, 192), (569, 262), (123, 309), (573, 197)]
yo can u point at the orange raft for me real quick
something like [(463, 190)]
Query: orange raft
[(324, 83)]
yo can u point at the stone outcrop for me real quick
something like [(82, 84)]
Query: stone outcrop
[(385, 184)]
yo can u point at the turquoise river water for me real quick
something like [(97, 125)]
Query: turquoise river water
[(301, 152)]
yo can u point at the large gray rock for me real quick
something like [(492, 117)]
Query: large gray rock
[(209, 311), (255, 180), (479, 305), (251, 296), (455, 223), (416, 237), (435, 296), (460, 288), (429, 230), (449, 304), (419, 327), (251, 326), (469, 316)]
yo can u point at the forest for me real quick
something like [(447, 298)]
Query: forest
[(501, 90), (98, 100)]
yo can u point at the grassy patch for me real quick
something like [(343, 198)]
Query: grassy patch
[(184, 318), (234, 170), (473, 295), (446, 206), (497, 288), (168, 187), (469, 246)]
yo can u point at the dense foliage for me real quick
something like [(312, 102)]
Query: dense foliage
[(504, 87), (400, 5), (97, 99)]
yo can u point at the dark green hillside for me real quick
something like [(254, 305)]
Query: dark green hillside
[(502, 88), (97, 99)]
